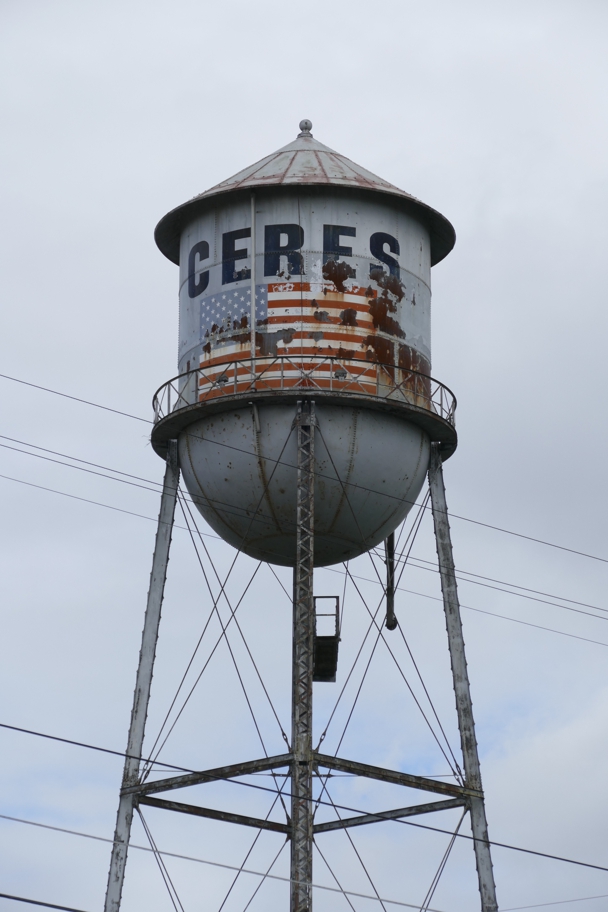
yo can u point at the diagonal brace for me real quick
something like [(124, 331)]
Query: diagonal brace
[(226, 816), (386, 775), (212, 775), (390, 815)]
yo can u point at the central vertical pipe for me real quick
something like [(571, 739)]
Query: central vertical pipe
[(252, 317), (303, 665)]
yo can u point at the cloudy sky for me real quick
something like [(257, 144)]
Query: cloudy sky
[(494, 113)]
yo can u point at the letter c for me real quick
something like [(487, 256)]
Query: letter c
[(197, 286)]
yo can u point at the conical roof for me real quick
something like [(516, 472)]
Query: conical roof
[(305, 162)]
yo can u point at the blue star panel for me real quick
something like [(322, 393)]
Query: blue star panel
[(225, 309)]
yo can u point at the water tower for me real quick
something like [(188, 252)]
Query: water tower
[(304, 420)]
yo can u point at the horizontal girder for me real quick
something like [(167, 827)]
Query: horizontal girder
[(228, 817), (389, 815)]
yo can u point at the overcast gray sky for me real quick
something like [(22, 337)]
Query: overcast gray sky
[(494, 113)]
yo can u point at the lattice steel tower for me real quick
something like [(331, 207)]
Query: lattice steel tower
[(304, 357)]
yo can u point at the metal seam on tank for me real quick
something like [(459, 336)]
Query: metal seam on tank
[(344, 481), (261, 465), (408, 489), (200, 487), (206, 266)]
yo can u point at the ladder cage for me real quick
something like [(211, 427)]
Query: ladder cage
[(326, 645)]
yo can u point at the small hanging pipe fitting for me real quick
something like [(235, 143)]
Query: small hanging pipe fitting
[(389, 547)]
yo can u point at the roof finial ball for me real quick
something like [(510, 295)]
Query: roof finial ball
[(306, 127)]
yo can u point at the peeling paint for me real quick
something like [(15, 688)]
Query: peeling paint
[(337, 272), (267, 342), (349, 317), (390, 283)]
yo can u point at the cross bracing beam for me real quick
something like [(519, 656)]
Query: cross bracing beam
[(390, 815), (386, 775), (212, 775), (226, 816)]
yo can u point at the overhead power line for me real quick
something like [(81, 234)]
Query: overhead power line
[(433, 568), (476, 522), (503, 617), (38, 902), (262, 788), (46, 389), (98, 503), (206, 861)]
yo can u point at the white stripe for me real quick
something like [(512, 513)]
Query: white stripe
[(308, 314), (320, 298)]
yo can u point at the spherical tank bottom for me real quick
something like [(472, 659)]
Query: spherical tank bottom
[(240, 468)]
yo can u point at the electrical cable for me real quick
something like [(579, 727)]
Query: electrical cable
[(503, 617), (268, 870), (354, 848), (232, 656), (453, 515), (263, 517), (192, 689), (491, 579), (435, 881), (417, 523), (38, 902), (250, 850), (316, 844), (354, 513), (401, 672), (413, 531), (556, 902), (236, 621), (530, 598), (146, 770), (164, 873), (97, 503), (231, 568), (205, 861), (343, 807), (75, 398)]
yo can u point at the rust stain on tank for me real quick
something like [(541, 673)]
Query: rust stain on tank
[(379, 308), (410, 359), (390, 283), (338, 273), (349, 317), (267, 342), (379, 349)]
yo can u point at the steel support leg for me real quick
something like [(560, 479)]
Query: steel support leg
[(143, 681), (303, 664), (464, 705)]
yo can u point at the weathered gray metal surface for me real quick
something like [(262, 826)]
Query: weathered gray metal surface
[(464, 704), (143, 682), (304, 163), (397, 814), (398, 778), (358, 282), (303, 663), (226, 816), (385, 388), (369, 469), (212, 775)]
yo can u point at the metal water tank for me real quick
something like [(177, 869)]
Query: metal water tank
[(304, 276)]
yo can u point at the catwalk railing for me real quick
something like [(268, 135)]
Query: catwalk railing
[(308, 374)]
